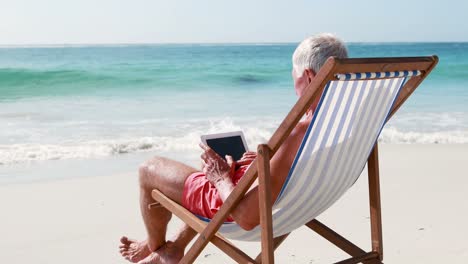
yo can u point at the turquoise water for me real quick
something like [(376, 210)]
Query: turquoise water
[(97, 101)]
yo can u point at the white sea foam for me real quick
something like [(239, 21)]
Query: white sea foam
[(393, 135), (30, 152), (21, 153), (78, 139)]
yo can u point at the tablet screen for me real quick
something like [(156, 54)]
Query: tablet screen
[(232, 145)]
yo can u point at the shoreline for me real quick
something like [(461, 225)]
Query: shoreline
[(81, 219), (66, 169)]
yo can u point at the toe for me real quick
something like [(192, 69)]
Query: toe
[(124, 240), (123, 246)]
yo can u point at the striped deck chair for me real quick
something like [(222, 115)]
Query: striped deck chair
[(357, 97)]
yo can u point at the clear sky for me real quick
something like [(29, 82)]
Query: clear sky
[(210, 21)]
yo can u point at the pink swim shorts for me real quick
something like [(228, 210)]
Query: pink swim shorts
[(201, 197)]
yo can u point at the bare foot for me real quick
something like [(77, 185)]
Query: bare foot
[(167, 254), (133, 250)]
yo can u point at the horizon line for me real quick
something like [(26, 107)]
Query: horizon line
[(45, 45)]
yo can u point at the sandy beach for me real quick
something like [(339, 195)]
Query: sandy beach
[(91, 90), (80, 220)]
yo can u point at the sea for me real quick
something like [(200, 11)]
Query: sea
[(91, 101)]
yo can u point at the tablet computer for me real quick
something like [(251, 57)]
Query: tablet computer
[(230, 143)]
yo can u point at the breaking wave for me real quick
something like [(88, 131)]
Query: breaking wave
[(393, 135), (21, 153)]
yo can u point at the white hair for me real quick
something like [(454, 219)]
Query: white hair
[(312, 52)]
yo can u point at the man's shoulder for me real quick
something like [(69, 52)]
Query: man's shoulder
[(299, 131)]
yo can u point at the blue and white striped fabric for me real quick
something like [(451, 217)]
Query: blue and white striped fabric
[(373, 75), (334, 151)]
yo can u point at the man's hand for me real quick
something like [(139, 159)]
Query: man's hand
[(216, 168), (247, 158), (218, 171)]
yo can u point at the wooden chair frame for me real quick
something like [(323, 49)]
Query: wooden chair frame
[(261, 168)]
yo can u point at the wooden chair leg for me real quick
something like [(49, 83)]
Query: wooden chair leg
[(235, 253), (374, 200), (335, 238), (371, 258), (341, 242), (264, 193)]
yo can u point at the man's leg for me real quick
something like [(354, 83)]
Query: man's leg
[(168, 176)]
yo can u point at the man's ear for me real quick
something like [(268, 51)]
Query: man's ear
[(310, 74)]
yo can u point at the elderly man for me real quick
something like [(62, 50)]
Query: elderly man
[(203, 192)]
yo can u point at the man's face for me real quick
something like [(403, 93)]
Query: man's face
[(301, 81)]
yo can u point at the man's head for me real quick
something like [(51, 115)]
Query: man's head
[(310, 56)]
